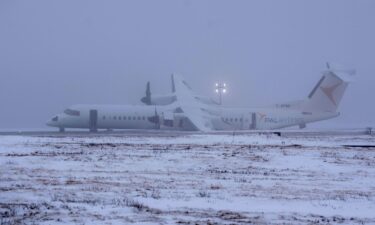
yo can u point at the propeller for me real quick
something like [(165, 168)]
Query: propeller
[(157, 120), (147, 99), (173, 85)]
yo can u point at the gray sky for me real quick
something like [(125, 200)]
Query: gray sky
[(57, 53)]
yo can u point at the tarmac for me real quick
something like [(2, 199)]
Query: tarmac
[(169, 133)]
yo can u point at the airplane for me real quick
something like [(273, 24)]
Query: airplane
[(188, 113)]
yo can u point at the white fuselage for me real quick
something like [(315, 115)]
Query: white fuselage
[(267, 119), (164, 117), (184, 110)]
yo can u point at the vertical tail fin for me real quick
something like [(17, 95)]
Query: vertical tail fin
[(327, 94)]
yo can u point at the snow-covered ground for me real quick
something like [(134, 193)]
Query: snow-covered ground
[(203, 179)]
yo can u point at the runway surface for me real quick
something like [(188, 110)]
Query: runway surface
[(169, 133)]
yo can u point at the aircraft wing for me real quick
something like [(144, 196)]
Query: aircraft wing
[(193, 109), (197, 118)]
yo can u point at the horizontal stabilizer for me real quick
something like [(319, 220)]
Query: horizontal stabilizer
[(341, 71)]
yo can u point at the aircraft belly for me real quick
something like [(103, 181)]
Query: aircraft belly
[(125, 125), (71, 122)]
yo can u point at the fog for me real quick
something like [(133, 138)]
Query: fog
[(58, 53)]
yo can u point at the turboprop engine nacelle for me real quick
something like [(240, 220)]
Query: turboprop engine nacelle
[(163, 99), (150, 99)]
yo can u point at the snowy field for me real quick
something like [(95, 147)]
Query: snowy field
[(192, 179)]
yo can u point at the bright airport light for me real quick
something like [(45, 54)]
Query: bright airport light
[(221, 88)]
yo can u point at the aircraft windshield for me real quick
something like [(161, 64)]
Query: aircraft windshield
[(72, 112)]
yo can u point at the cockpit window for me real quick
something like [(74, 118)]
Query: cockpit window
[(55, 119), (72, 112)]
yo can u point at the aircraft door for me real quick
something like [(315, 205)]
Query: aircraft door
[(93, 120), (253, 124), (242, 122)]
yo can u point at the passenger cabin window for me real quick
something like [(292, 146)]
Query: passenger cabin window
[(124, 118), (72, 112), (103, 117), (115, 118)]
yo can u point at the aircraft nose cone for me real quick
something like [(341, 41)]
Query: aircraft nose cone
[(52, 122), (49, 123)]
